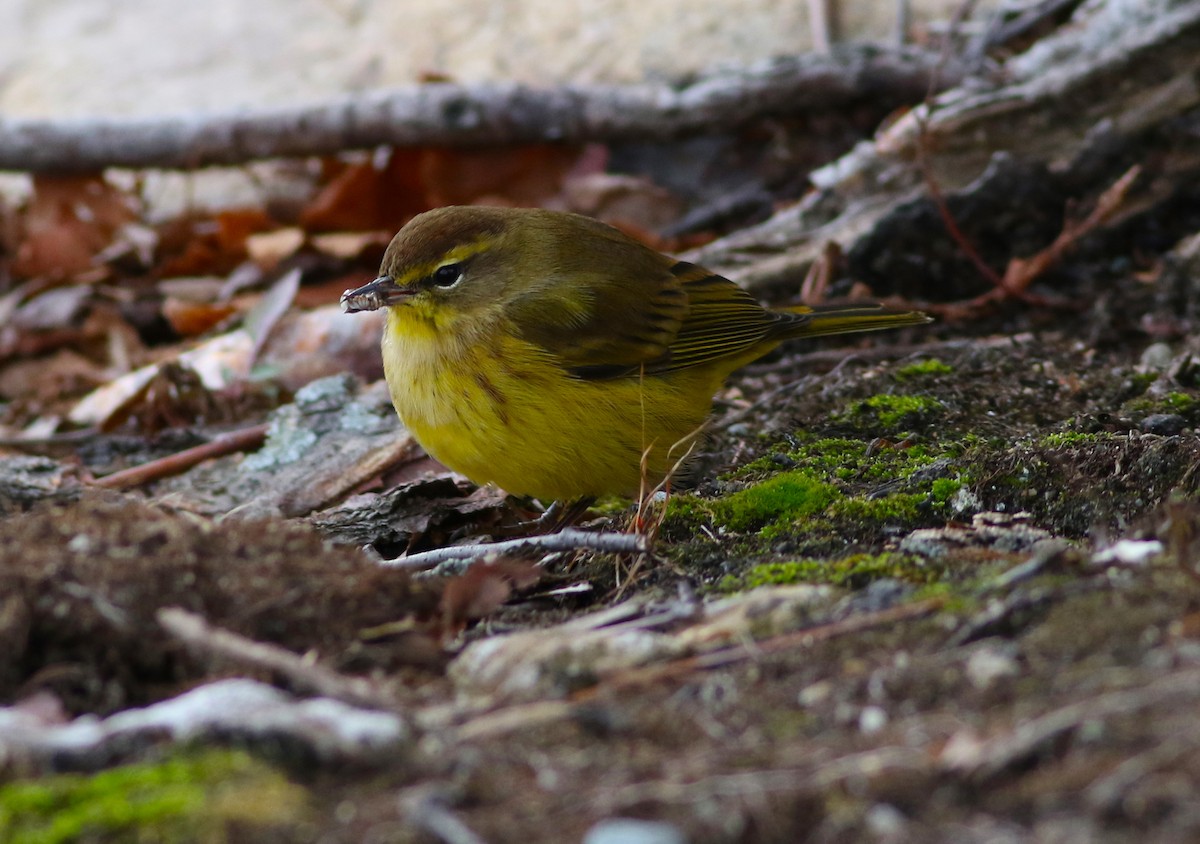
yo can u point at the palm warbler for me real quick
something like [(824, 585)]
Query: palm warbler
[(558, 358)]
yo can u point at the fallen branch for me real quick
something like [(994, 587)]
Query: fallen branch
[(200, 636), (173, 464), (567, 540), (246, 712), (447, 114), (1089, 92)]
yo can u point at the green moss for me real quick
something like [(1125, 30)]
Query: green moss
[(686, 512), (956, 598), (941, 490), (852, 572), (1061, 439), (893, 411), (1181, 403), (931, 366), (610, 506), (191, 797), (840, 459), (779, 574), (899, 508), (1139, 382), (839, 487), (786, 497)]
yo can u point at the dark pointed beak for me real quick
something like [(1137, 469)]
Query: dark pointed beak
[(374, 295)]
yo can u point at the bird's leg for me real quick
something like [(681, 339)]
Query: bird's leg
[(555, 517), (559, 515)]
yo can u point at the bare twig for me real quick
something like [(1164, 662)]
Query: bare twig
[(427, 810), (1108, 792), (1004, 752), (738, 653), (858, 767), (939, 201), (495, 113), (1002, 29), (567, 540), (822, 20), (220, 445), (199, 635), (513, 719), (1022, 272)]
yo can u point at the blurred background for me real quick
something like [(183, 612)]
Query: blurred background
[(150, 57)]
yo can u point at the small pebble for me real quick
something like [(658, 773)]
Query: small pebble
[(1156, 358), (633, 831), (871, 720), (1164, 424), (887, 822), (987, 665)]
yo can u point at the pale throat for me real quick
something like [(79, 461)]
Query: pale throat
[(420, 343)]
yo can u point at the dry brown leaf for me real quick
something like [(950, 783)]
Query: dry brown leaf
[(210, 246), (235, 226), (190, 319), (218, 362), (264, 316), (69, 221), (627, 200), (269, 248), (43, 381), (524, 175), (370, 196), (351, 245), (483, 588)]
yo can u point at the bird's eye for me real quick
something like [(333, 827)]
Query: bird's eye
[(447, 275)]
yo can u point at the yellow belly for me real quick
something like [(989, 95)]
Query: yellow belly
[(495, 410)]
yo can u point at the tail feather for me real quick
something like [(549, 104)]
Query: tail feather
[(821, 320)]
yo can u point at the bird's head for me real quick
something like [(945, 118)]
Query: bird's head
[(451, 262)]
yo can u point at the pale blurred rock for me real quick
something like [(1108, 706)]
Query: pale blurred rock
[(152, 57)]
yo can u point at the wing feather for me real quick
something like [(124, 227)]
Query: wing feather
[(657, 316)]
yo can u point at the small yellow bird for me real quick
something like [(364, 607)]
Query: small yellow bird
[(549, 353)]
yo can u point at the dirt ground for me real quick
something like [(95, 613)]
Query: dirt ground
[(976, 669)]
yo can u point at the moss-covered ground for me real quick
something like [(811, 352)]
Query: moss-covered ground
[(972, 483), (209, 795), (976, 670)]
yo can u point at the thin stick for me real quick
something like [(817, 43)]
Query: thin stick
[(787, 641), (218, 446), (425, 810), (567, 540), (196, 633), (1002, 753)]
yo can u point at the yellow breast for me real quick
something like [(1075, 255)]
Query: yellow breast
[(494, 408)]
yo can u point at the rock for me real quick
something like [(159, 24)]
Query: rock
[(633, 831), (1164, 424)]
